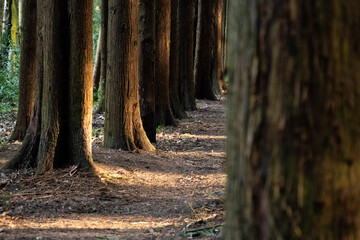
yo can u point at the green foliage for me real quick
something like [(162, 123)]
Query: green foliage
[(9, 79), (96, 24), (4, 198)]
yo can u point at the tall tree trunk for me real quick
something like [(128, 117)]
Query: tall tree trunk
[(163, 110), (97, 65), (6, 34), (60, 131), (219, 46), (147, 67), (176, 106), (103, 70), (186, 58), (204, 54), (2, 3), (293, 147), (27, 72), (123, 126)]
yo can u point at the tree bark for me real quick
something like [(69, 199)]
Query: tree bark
[(103, 70), (163, 112), (123, 126), (60, 131), (147, 67), (176, 106), (2, 3), (186, 58), (27, 71), (293, 145), (205, 51), (219, 47)]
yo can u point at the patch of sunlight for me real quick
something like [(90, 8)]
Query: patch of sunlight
[(89, 222), (188, 135)]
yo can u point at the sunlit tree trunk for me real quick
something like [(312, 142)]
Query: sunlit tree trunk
[(147, 67), (123, 126), (60, 131), (293, 146), (97, 64), (27, 72), (6, 34)]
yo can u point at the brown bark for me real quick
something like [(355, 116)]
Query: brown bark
[(27, 71), (103, 36), (2, 2), (176, 106), (163, 112), (186, 58), (219, 46), (97, 65), (60, 131), (147, 67), (205, 52), (293, 145), (123, 126)]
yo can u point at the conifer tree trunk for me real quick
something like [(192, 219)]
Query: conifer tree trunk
[(123, 126), (60, 131), (205, 51), (6, 34), (176, 106), (163, 112), (186, 58), (147, 67), (293, 147), (27, 72)]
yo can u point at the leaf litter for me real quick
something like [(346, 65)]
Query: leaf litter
[(175, 193)]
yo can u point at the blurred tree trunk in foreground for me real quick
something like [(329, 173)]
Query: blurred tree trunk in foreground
[(293, 145)]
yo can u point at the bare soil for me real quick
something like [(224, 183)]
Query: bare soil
[(175, 193)]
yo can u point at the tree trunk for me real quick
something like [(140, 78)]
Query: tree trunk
[(6, 34), (27, 72), (293, 146), (205, 51), (97, 65), (176, 106), (123, 126), (219, 46), (186, 58), (60, 131), (2, 3), (103, 70), (147, 67), (163, 112)]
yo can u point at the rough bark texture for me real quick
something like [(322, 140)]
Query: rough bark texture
[(27, 72), (186, 58), (163, 112), (219, 46), (97, 65), (147, 67), (176, 106), (60, 132), (293, 145), (103, 36), (205, 51), (123, 126)]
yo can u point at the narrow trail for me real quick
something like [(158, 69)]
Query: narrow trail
[(138, 195)]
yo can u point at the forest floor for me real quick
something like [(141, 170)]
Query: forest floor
[(175, 193)]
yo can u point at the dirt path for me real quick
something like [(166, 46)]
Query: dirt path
[(166, 195)]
